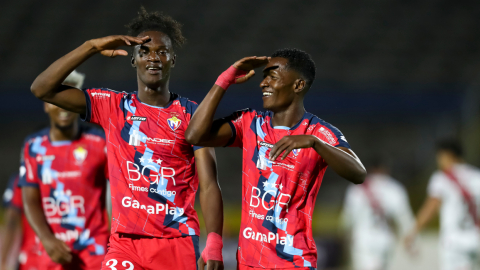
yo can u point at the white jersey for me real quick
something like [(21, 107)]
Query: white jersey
[(368, 218), (457, 226)]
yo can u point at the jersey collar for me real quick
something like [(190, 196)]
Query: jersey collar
[(173, 97), (306, 115)]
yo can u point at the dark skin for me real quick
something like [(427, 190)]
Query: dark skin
[(13, 228), (63, 126), (153, 58), (287, 89)]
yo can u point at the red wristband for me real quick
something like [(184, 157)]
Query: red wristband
[(213, 249), (229, 76)]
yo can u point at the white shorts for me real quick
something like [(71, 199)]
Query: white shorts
[(451, 259), (373, 259)]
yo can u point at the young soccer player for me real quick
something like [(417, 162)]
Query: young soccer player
[(286, 151), (17, 225), (151, 166), (454, 190), (368, 213), (63, 182)]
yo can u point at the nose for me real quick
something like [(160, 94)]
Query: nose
[(153, 57), (264, 83)]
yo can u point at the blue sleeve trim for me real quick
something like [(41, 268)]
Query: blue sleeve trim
[(234, 134), (195, 148), (23, 183), (88, 110)]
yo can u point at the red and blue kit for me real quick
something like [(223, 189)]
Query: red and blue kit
[(71, 177), (279, 196), (152, 170), (30, 251)]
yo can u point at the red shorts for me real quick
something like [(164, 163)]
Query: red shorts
[(82, 260), (135, 252)]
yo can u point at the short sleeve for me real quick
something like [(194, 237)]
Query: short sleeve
[(100, 102), (190, 108), (238, 121), (436, 186), (8, 198), (28, 175), (331, 135)]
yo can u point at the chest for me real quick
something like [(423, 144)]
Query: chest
[(157, 130)]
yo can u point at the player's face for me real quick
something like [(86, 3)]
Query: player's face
[(278, 85), (61, 118), (153, 59), (445, 160)]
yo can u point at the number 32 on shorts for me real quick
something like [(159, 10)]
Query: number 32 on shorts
[(112, 263)]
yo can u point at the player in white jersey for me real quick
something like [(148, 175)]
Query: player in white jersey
[(369, 211), (454, 189)]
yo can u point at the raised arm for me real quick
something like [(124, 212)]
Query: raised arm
[(202, 129), (58, 251), (341, 159), (48, 85), (212, 208)]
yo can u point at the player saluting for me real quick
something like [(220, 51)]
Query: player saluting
[(151, 165), (63, 181), (286, 151)]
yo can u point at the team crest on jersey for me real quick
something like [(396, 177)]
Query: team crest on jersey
[(296, 151), (174, 122), (80, 154)]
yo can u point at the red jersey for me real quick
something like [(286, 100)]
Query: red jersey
[(151, 166), (72, 183), (279, 196), (29, 246)]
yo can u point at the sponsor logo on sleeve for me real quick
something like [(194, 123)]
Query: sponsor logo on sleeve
[(100, 95), (330, 138)]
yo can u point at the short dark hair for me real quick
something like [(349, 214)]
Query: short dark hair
[(299, 61), (451, 145), (157, 21)]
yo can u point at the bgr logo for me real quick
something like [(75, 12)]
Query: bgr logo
[(137, 118)]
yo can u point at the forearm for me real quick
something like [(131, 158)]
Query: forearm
[(347, 165), (212, 208), (47, 83), (35, 216), (12, 217), (426, 214), (200, 126)]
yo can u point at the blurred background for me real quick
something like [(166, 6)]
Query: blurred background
[(394, 76)]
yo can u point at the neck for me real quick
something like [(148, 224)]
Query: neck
[(63, 134), (290, 116), (158, 96)]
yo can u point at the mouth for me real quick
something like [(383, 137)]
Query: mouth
[(154, 70), (64, 115), (267, 94)]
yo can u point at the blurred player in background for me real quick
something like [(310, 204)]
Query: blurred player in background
[(286, 151), (152, 167), (369, 212), (63, 180), (17, 225), (454, 190)]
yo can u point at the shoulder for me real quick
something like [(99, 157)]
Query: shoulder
[(29, 139), (332, 134), (93, 133), (188, 106)]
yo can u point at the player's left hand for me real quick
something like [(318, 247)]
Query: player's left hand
[(288, 143), (211, 264)]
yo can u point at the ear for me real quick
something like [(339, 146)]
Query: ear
[(174, 59), (132, 61), (299, 85)]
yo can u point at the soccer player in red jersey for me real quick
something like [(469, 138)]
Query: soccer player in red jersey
[(286, 151), (16, 223), (152, 168), (63, 179)]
